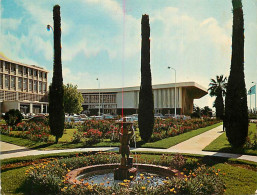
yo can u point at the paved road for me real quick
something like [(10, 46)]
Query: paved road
[(194, 145)]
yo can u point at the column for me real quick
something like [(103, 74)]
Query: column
[(42, 108), (30, 108)]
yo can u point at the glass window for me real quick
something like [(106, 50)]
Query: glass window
[(44, 87), (25, 70), (1, 66), (30, 85), (12, 82), (13, 67), (1, 81), (40, 86), (35, 86), (45, 75), (20, 69), (35, 73), (20, 83), (7, 66), (30, 72), (25, 84), (7, 81), (40, 74)]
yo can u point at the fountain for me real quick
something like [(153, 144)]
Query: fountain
[(124, 170)]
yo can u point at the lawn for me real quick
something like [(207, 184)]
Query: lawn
[(221, 144), (65, 141), (239, 178), (171, 141)]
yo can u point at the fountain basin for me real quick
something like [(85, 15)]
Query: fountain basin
[(156, 169)]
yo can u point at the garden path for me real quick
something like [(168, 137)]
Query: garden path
[(199, 142)]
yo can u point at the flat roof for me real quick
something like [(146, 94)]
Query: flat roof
[(4, 58), (191, 85)]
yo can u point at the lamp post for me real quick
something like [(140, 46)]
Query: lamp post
[(255, 96), (99, 112), (175, 91), (48, 27)]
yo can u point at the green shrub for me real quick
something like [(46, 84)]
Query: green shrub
[(13, 117)]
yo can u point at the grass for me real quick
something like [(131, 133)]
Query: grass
[(171, 141), (65, 141), (238, 178), (221, 144)]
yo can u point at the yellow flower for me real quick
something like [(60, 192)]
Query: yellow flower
[(171, 190), (143, 188), (182, 173), (185, 179), (141, 175), (131, 177), (201, 184), (217, 173), (65, 187)]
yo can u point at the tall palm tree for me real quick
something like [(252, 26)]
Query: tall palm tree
[(218, 88)]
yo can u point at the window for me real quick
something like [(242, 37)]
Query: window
[(44, 87), (30, 85), (35, 73), (40, 74), (35, 86), (25, 84), (13, 67), (7, 66), (25, 70), (20, 69), (13, 82), (45, 75), (1, 66), (1, 81), (19, 83), (30, 72), (40, 86), (7, 81)]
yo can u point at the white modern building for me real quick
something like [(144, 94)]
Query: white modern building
[(164, 98), (22, 87)]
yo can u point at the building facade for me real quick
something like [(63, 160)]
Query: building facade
[(111, 100), (22, 87)]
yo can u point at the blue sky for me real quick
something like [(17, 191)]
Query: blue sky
[(99, 40)]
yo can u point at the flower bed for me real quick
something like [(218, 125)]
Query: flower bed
[(51, 177), (34, 131), (172, 127)]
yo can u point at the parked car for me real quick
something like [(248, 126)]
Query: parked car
[(127, 119), (158, 115), (37, 118), (168, 116), (107, 117), (96, 117)]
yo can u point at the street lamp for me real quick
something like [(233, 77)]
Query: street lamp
[(48, 27), (175, 91), (255, 96), (99, 112)]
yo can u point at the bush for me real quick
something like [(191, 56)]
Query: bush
[(13, 117)]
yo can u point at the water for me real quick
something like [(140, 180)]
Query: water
[(106, 178)]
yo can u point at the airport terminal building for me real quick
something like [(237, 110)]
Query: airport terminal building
[(22, 87), (164, 98)]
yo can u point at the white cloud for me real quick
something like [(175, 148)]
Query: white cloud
[(10, 23)]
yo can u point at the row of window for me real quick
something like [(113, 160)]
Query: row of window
[(104, 98), (21, 70), (23, 84)]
